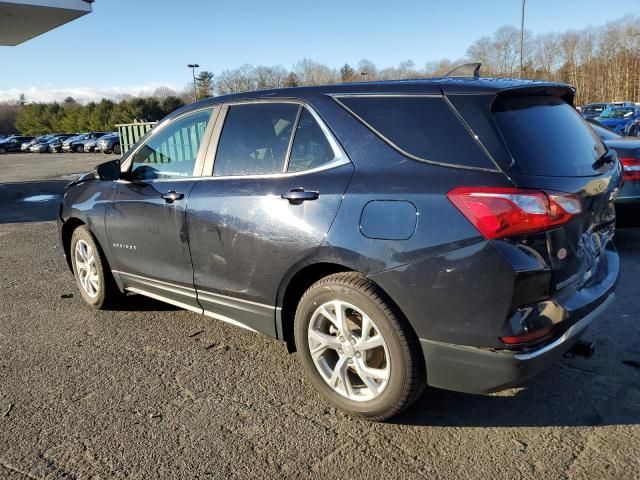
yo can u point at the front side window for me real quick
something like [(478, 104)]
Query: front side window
[(172, 152), (255, 139), (310, 148)]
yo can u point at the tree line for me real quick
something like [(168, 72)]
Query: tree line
[(603, 63), (70, 116)]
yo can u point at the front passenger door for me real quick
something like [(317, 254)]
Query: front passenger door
[(146, 223)]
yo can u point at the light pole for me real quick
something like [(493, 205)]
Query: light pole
[(522, 38), (193, 67)]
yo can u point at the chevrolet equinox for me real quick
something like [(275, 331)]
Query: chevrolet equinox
[(452, 232)]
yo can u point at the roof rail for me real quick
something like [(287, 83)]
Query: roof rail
[(467, 70)]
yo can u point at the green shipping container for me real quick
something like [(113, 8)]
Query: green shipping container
[(130, 133)]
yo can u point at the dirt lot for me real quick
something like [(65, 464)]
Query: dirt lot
[(148, 391)]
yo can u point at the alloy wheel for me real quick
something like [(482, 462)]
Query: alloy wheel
[(349, 351), (87, 269)]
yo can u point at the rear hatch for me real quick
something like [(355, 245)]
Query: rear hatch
[(552, 149)]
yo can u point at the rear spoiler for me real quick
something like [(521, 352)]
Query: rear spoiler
[(566, 92), (471, 71)]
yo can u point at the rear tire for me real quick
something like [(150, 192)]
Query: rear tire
[(3, 151), (366, 359), (91, 271), (116, 149)]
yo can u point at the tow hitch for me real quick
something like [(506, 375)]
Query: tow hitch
[(582, 348)]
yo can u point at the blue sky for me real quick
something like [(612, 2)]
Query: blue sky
[(134, 46)]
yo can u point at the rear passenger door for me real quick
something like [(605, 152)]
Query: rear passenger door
[(274, 183)]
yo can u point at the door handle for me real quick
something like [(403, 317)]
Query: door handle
[(299, 195), (171, 196)]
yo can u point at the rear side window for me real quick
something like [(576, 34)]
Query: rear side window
[(255, 139), (547, 137), (423, 127), (310, 148)]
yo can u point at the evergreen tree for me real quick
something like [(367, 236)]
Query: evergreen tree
[(291, 80), (204, 85), (347, 74)]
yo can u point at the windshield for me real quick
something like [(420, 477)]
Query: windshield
[(593, 109), (617, 112)]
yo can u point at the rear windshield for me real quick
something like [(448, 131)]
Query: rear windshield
[(547, 137), (424, 127)]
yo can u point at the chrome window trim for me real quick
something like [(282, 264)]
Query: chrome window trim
[(287, 156), (202, 149), (336, 98), (340, 156)]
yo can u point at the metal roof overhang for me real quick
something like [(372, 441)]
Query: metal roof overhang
[(22, 20)]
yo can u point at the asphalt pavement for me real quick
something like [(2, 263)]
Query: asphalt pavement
[(150, 391)]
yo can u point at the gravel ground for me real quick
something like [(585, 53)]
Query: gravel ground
[(148, 391)]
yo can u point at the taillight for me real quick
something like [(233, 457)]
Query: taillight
[(630, 169), (503, 212), (527, 337)]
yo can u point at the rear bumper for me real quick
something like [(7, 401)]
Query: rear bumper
[(479, 370)]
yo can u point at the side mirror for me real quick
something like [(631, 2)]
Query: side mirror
[(109, 170)]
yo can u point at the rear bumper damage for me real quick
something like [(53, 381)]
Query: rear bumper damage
[(479, 370)]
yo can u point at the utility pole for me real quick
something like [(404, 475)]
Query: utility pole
[(193, 67), (522, 39)]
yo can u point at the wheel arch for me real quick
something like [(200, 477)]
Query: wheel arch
[(298, 284), (68, 228)]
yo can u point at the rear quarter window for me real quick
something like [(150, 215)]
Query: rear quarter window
[(547, 137), (426, 128)]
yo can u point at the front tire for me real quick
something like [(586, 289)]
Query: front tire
[(356, 347), (90, 269), (79, 148)]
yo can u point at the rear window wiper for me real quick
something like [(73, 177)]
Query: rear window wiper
[(607, 158)]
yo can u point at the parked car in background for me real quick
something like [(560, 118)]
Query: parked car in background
[(109, 144), (77, 144), (88, 144), (633, 128), (628, 150), (41, 138), (395, 234), (13, 143), (626, 103), (56, 146), (617, 118), (592, 110), (43, 147)]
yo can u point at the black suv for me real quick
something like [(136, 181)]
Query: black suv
[(455, 232), (13, 143)]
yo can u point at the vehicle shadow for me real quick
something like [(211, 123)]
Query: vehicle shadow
[(35, 201), (628, 216), (566, 395)]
